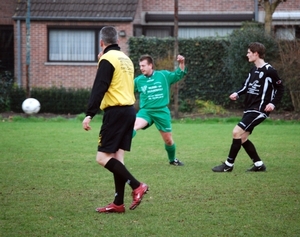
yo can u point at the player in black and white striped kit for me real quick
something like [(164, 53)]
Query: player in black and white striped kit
[(263, 90)]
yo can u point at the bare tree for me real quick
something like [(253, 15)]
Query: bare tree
[(269, 7), (289, 65)]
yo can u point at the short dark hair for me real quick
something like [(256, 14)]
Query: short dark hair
[(148, 58), (256, 47), (109, 35)]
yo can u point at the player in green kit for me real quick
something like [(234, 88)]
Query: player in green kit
[(154, 90)]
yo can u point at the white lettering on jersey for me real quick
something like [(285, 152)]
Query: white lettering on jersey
[(144, 89), (253, 88)]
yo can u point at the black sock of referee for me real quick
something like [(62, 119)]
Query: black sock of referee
[(234, 150), (115, 166), (251, 151), (119, 189)]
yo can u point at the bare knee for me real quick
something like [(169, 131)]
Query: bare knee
[(102, 158), (167, 137), (139, 123), (169, 142), (245, 137), (235, 135), (237, 132), (99, 160)]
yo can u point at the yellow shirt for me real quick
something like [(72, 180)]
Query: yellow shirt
[(121, 89)]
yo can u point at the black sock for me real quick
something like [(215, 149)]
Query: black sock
[(120, 189), (234, 150), (115, 166), (251, 151)]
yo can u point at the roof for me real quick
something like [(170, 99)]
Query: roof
[(77, 10)]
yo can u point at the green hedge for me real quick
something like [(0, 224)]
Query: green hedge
[(53, 100), (206, 78), (6, 82)]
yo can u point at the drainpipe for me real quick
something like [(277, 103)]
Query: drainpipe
[(28, 50), (256, 10), (19, 59)]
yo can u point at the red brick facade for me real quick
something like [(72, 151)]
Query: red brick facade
[(212, 5), (68, 75), (7, 9), (289, 5), (198, 6)]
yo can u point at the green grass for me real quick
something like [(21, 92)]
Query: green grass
[(50, 183)]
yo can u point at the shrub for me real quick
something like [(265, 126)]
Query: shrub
[(208, 107), (6, 82), (288, 66), (53, 100)]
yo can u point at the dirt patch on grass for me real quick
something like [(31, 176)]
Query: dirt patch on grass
[(239, 113)]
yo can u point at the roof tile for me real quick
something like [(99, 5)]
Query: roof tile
[(96, 10)]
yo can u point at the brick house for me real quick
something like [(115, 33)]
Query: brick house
[(64, 35), (64, 39)]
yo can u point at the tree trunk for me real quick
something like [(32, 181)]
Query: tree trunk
[(268, 18), (175, 86), (270, 7)]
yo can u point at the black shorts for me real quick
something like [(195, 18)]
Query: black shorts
[(116, 129), (251, 119)]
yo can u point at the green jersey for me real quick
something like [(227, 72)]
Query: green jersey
[(154, 90)]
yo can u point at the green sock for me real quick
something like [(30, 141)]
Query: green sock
[(133, 133), (171, 151)]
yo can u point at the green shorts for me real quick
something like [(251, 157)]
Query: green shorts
[(161, 117)]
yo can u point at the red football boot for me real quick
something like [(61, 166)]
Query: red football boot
[(111, 208), (138, 194)]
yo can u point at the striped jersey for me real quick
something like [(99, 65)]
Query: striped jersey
[(263, 86)]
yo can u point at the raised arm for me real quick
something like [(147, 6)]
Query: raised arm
[(181, 61)]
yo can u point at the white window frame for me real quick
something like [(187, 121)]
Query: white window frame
[(73, 45)]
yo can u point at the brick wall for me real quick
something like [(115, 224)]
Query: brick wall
[(43, 74), (289, 5), (7, 9), (195, 6), (199, 5)]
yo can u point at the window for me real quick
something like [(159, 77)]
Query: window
[(6, 48), (285, 33), (73, 45), (184, 31), (158, 32), (153, 31), (297, 29), (194, 32)]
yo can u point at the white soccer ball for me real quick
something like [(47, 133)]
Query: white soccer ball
[(31, 106)]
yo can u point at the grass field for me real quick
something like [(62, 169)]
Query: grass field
[(50, 183)]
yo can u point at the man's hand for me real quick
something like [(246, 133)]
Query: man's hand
[(270, 107), (234, 96), (86, 123), (181, 59)]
